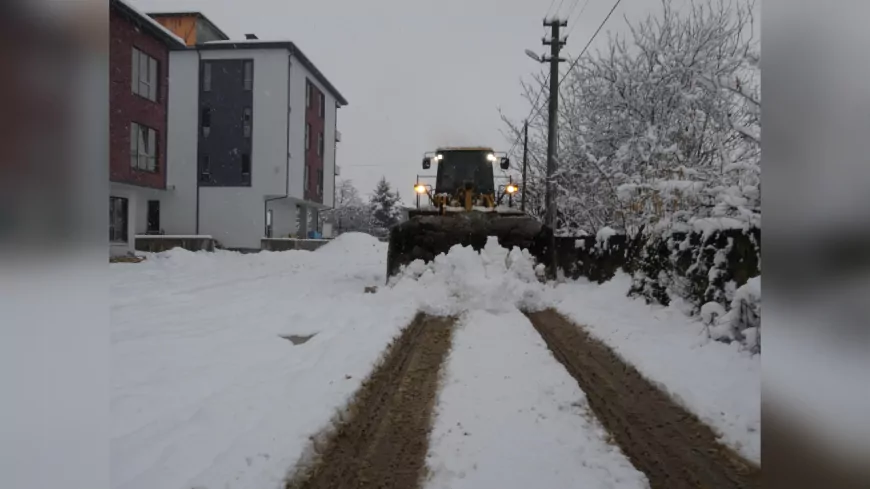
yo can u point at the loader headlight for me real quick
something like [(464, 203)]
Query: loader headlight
[(420, 188), (511, 189), (439, 157), (490, 157)]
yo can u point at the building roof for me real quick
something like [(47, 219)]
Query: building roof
[(288, 45), (149, 24), (198, 15)]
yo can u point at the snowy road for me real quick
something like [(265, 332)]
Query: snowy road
[(207, 392), (510, 416)]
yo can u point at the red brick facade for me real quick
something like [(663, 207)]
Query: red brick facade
[(313, 160), (127, 107)]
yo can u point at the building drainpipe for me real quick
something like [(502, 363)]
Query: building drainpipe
[(198, 129)]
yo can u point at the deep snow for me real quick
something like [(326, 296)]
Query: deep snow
[(718, 382), (205, 392), (510, 416)]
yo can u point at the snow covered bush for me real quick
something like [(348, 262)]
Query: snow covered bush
[(742, 323)]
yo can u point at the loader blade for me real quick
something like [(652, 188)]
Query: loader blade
[(423, 237)]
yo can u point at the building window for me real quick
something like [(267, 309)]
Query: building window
[(204, 168), (117, 220), (246, 168), (249, 75), (307, 136), (143, 147), (269, 223), (206, 77), (305, 179), (322, 105), (319, 182), (246, 122), (206, 121), (320, 144), (307, 94), (144, 81)]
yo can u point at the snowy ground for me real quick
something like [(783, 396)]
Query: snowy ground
[(510, 416), (716, 381), (206, 393)]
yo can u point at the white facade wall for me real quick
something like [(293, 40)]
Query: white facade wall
[(137, 212), (236, 216), (178, 212)]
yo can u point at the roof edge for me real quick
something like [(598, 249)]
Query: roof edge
[(152, 26), (288, 45), (198, 15)]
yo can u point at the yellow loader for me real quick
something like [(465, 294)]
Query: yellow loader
[(464, 207)]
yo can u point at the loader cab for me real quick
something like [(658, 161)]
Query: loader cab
[(465, 168)]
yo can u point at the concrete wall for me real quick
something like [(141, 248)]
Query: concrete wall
[(232, 215), (283, 217), (179, 207)]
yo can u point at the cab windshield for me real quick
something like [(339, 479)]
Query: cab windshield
[(458, 168)]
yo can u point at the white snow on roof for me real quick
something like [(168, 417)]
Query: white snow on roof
[(248, 41), (153, 22)]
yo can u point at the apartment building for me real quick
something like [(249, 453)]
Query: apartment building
[(252, 133), (138, 97)]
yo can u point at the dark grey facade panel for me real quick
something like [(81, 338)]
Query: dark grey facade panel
[(223, 140)]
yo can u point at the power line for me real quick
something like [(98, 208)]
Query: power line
[(559, 8), (573, 64), (570, 12), (600, 26), (552, 2)]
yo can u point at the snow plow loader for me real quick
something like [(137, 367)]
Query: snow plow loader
[(465, 207)]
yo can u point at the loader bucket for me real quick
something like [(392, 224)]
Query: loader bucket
[(423, 237)]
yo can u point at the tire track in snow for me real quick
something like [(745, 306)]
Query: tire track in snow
[(382, 441), (510, 416), (670, 445)]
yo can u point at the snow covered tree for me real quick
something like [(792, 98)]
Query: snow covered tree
[(661, 129), (385, 208), (350, 214)]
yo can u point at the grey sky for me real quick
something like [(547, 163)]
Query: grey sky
[(417, 74)]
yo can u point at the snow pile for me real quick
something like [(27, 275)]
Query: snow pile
[(354, 243), (719, 382), (494, 279)]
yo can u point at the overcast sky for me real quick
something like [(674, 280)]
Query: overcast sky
[(417, 74)]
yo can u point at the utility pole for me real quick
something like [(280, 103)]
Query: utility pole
[(555, 42), (525, 163)]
